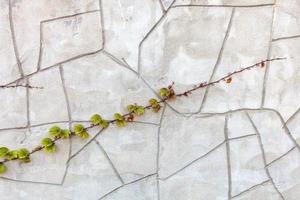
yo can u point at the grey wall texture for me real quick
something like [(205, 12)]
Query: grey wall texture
[(237, 141)]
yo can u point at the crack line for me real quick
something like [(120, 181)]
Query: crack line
[(285, 38), (61, 72), (132, 182), (15, 46), (85, 145), (54, 65), (158, 151), (110, 162), (266, 74), (28, 125), (275, 160), (38, 67), (242, 137), (65, 174), (264, 155), (227, 33), (33, 182), (286, 130), (251, 188), (72, 58), (69, 16), (194, 161), (147, 35), (158, 139), (119, 62), (102, 24), (225, 6), (228, 157), (292, 116), (162, 6)]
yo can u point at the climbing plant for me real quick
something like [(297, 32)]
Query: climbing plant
[(55, 133)]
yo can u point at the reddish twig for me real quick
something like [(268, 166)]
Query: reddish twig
[(20, 85), (226, 78), (205, 84)]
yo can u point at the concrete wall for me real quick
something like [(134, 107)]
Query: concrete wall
[(229, 141)]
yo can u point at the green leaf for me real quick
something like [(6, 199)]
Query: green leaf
[(78, 128), (12, 155), (153, 102), (164, 92), (84, 135), (96, 119), (118, 116), (120, 123), (23, 153), (104, 123), (55, 131), (140, 110), (47, 142), (3, 151), (2, 168), (65, 133), (50, 149), (131, 108), (80, 131), (156, 107), (26, 160)]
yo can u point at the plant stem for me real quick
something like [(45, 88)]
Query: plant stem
[(185, 93), (20, 85)]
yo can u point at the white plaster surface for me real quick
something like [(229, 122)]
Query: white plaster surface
[(237, 141)]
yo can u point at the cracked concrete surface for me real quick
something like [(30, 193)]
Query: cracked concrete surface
[(239, 141)]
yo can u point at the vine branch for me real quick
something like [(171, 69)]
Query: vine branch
[(20, 85), (166, 94)]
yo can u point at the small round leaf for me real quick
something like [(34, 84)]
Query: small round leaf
[(164, 92), (140, 110), (3, 151), (120, 123), (153, 102), (12, 155), (23, 153), (50, 149), (104, 123), (78, 128), (131, 108), (95, 119), (55, 131), (118, 116), (84, 135), (47, 142), (2, 168), (65, 133)]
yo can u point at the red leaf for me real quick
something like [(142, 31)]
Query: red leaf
[(229, 80)]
